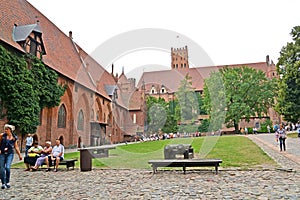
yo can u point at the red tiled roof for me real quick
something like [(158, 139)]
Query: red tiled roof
[(63, 55), (171, 78)]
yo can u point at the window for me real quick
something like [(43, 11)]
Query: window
[(61, 122), (92, 114), (80, 121), (35, 46), (163, 89), (134, 118), (153, 91)]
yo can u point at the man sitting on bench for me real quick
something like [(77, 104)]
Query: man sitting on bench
[(56, 155)]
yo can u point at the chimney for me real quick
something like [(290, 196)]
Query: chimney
[(112, 69), (70, 35), (267, 60)]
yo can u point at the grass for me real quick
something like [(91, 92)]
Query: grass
[(235, 151), (293, 135)]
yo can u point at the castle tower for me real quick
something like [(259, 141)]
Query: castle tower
[(179, 58)]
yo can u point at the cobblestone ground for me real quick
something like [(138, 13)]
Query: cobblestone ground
[(282, 183), (142, 184)]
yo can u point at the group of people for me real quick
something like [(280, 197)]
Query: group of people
[(37, 156), (34, 152)]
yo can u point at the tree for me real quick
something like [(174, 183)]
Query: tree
[(27, 86), (157, 114), (171, 122), (187, 106), (234, 94), (288, 68)]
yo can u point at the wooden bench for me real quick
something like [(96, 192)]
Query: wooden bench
[(185, 163)]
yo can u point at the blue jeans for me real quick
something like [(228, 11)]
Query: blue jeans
[(282, 143), (5, 162)]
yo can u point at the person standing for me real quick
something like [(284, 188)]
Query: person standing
[(282, 137), (9, 142), (29, 143)]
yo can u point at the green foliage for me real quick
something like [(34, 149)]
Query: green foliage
[(201, 110), (204, 126), (161, 115), (215, 100), (241, 93), (157, 114), (263, 126), (187, 99), (27, 86), (288, 67)]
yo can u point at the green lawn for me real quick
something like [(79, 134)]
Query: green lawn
[(235, 151), (293, 135)]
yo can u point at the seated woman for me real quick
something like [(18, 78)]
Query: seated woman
[(45, 152), (33, 154)]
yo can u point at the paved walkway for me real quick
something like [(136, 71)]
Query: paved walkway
[(142, 184)]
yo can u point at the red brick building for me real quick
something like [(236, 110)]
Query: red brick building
[(165, 83), (86, 110)]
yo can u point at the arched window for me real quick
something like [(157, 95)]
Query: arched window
[(80, 121), (61, 122)]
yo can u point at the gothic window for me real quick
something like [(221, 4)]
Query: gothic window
[(80, 121), (61, 122)]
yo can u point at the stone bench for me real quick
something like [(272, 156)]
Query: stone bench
[(184, 163), (174, 151)]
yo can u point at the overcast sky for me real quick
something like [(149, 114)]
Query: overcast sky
[(230, 32)]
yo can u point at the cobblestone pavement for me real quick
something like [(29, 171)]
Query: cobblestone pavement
[(270, 183)]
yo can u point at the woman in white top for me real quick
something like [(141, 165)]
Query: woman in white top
[(282, 137)]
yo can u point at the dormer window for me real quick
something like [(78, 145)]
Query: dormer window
[(30, 38), (163, 89), (153, 90)]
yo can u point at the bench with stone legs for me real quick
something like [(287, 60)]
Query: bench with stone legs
[(68, 162), (184, 163)]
